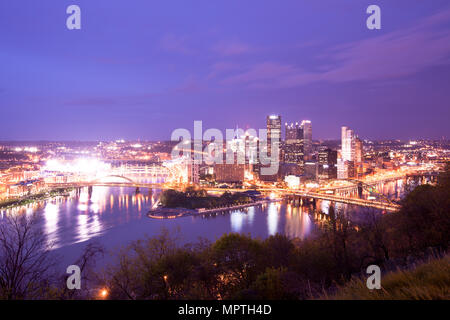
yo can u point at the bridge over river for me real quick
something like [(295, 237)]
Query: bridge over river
[(343, 194), (383, 205)]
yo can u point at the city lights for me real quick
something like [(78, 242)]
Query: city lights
[(81, 165), (238, 153)]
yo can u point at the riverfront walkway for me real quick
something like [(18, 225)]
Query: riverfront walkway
[(171, 213)]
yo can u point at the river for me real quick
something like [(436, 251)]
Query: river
[(115, 216)]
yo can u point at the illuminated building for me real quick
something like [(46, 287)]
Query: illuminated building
[(346, 165), (245, 151), (25, 188), (307, 137), (327, 162), (182, 170), (359, 158), (193, 172), (292, 181), (341, 169), (273, 132), (229, 173), (273, 140), (347, 144), (293, 146), (358, 150), (294, 133), (311, 170)]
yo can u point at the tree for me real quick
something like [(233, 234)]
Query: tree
[(135, 274), (374, 239), (239, 259), (280, 251), (25, 262), (86, 263), (281, 284)]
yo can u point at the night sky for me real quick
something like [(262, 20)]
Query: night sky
[(140, 69)]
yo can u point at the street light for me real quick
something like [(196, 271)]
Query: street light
[(104, 293)]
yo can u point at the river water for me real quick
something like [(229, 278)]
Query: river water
[(115, 216)]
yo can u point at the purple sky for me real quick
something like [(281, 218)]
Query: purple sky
[(142, 70)]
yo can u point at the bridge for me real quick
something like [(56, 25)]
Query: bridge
[(153, 174), (307, 194), (108, 184), (383, 205), (340, 196)]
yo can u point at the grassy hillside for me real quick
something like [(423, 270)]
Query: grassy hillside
[(427, 281)]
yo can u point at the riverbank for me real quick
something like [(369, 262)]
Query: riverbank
[(172, 213), (22, 201)]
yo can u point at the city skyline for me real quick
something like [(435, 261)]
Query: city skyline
[(225, 151), (158, 68)]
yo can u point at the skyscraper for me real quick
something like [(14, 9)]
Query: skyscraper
[(273, 145), (294, 133), (358, 150), (327, 160), (273, 132), (293, 145), (307, 137), (347, 144), (346, 164)]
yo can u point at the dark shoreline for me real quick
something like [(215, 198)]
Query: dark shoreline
[(12, 203)]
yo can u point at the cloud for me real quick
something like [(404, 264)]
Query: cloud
[(190, 85), (262, 72), (393, 55), (222, 67)]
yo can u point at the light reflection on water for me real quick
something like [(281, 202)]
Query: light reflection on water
[(117, 215), (272, 218), (51, 222), (299, 224), (85, 213)]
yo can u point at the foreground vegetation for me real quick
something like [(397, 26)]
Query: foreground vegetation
[(235, 266), (430, 281)]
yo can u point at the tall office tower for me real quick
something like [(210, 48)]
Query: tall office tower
[(273, 132), (342, 172), (293, 144), (307, 137), (230, 173), (347, 144), (251, 149), (347, 161), (294, 132), (193, 172), (358, 150), (327, 160)]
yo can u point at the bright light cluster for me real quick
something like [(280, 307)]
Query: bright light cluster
[(83, 165), (27, 149), (178, 169)]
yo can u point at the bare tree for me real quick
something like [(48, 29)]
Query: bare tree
[(25, 262), (86, 262)]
